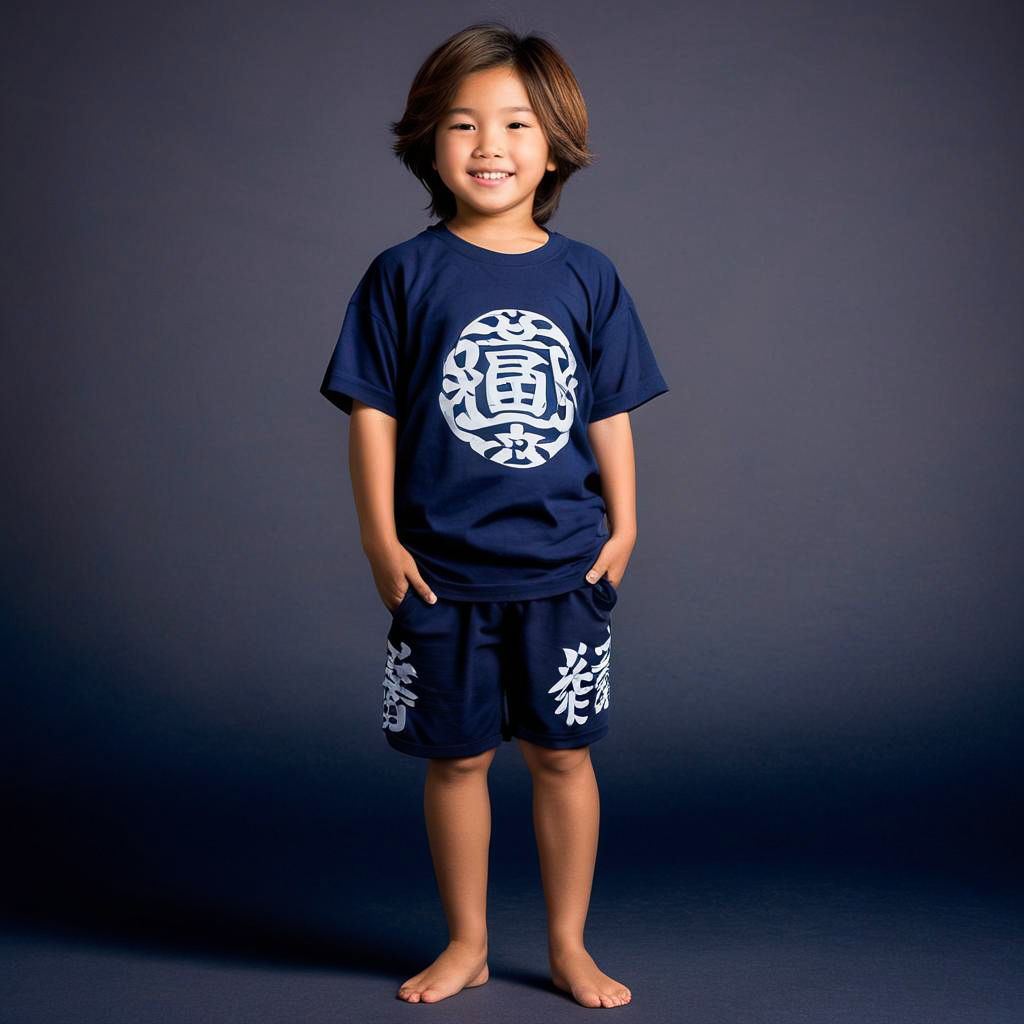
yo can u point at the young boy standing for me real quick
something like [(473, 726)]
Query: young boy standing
[(489, 366)]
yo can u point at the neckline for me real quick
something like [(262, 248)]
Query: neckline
[(548, 251)]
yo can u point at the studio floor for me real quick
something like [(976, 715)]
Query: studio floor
[(737, 946)]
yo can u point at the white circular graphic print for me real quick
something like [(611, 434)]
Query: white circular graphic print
[(509, 388)]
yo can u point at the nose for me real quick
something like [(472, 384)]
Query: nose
[(487, 145)]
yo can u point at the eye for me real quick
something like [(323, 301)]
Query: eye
[(464, 124)]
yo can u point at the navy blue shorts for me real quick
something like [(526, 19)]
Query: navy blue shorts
[(462, 676)]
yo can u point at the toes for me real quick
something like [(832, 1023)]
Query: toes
[(590, 998), (431, 995)]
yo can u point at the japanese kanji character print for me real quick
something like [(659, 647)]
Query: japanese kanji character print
[(509, 388), (398, 673), (584, 685)]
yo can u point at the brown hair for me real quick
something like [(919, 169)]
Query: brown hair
[(554, 94)]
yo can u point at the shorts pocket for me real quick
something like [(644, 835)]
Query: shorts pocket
[(409, 593), (604, 593)]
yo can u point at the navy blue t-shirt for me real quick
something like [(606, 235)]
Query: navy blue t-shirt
[(493, 364)]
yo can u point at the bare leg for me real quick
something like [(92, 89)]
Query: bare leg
[(566, 817), (457, 808)]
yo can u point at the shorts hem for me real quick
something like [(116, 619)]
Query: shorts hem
[(450, 750), (565, 741)]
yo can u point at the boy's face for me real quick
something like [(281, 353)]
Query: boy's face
[(489, 134)]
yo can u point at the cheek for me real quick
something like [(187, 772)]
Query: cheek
[(532, 156), (449, 154), (444, 141)]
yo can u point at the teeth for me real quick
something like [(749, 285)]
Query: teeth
[(489, 174)]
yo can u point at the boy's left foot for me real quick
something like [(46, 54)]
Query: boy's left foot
[(573, 970)]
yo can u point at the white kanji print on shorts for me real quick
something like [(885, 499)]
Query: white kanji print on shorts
[(462, 676)]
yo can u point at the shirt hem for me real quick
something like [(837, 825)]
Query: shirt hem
[(550, 587)]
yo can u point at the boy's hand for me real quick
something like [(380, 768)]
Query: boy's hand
[(394, 571), (613, 559)]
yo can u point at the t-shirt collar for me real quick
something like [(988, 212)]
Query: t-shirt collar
[(549, 250)]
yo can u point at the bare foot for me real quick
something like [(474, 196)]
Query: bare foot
[(459, 966), (574, 971)]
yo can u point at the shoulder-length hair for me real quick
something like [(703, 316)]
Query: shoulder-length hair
[(554, 94)]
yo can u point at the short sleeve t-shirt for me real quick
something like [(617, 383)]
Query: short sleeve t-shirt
[(493, 364)]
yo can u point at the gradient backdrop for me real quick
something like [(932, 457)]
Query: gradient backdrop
[(818, 645)]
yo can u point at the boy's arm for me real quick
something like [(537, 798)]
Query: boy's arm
[(611, 440), (371, 460), (372, 442)]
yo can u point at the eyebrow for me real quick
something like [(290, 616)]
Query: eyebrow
[(470, 110)]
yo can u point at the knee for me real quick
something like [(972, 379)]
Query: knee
[(554, 762), (461, 767)]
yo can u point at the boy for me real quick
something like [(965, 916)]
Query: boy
[(489, 366)]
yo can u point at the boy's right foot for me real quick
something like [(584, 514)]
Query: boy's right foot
[(459, 966)]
